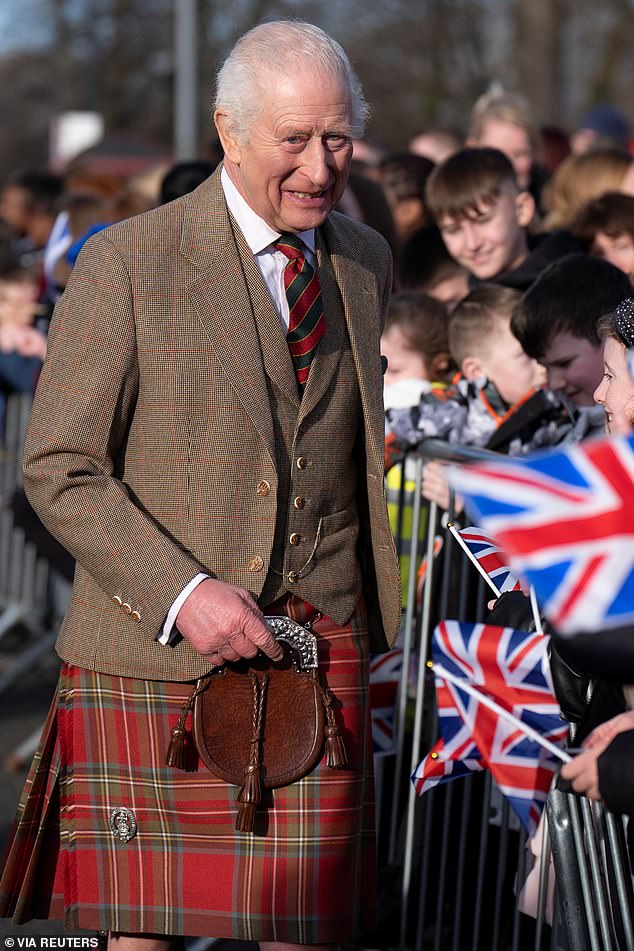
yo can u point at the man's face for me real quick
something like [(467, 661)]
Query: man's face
[(293, 169), (514, 142), (618, 250), (574, 365), (492, 239)]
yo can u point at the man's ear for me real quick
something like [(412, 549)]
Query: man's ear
[(471, 368), (524, 208), (227, 138)]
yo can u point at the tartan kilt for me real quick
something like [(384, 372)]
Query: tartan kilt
[(309, 877)]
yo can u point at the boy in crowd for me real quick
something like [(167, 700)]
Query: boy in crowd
[(483, 216), (605, 228), (556, 324)]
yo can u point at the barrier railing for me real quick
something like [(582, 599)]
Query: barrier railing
[(458, 851)]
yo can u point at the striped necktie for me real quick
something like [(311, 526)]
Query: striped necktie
[(307, 324)]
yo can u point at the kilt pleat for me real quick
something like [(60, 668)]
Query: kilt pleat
[(306, 875)]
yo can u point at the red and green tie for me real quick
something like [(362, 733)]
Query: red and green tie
[(307, 324)]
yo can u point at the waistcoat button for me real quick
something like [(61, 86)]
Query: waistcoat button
[(256, 564), (302, 462), (293, 577), (299, 502), (295, 539), (263, 488), (127, 607)]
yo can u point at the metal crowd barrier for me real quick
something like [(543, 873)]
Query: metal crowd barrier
[(27, 614), (456, 857)]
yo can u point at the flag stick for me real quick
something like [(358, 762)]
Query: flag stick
[(472, 558), (535, 610), (440, 671)]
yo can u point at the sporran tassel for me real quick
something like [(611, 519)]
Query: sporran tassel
[(176, 753), (336, 756), (250, 794)]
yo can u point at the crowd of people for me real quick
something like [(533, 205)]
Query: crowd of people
[(513, 250)]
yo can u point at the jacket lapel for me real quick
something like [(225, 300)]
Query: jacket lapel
[(222, 301)]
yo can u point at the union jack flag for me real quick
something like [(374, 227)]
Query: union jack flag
[(385, 676), (492, 558), (566, 519), (511, 667)]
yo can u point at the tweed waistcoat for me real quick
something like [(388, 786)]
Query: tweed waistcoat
[(317, 524)]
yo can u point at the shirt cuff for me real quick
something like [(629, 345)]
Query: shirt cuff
[(167, 634)]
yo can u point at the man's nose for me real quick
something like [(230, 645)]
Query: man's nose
[(317, 162)]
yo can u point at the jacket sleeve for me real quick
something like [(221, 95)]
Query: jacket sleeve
[(76, 442)]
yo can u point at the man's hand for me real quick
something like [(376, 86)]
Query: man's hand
[(223, 623)]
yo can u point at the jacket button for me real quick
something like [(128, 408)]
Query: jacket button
[(299, 502), (127, 607), (256, 564), (136, 616), (302, 462), (295, 539), (263, 488), (117, 600), (293, 577)]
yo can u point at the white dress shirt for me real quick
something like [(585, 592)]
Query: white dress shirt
[(260, 238)]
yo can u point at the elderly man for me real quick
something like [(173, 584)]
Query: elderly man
[(209, 449)]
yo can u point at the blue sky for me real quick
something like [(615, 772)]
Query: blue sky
[(23, 23)]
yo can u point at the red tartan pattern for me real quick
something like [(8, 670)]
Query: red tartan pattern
[(309, 879)]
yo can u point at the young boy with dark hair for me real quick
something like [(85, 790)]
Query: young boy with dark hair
[(483, 215), (556, 323), (605, 228), (481, 212)]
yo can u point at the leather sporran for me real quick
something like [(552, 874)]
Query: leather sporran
[(259, 724)]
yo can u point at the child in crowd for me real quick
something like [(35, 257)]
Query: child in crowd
[(416, 347), (605, 228), (481, 212), (426, 265), (501, 120), (415, 340), (556, 324), (483, 216)]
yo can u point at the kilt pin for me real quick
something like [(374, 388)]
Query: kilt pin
[(107, 836)]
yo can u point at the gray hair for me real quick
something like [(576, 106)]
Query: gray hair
[(281, 46)]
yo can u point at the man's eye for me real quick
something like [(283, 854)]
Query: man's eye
[(336, 140)]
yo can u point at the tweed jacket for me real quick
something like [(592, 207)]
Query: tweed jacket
[(152, 408)]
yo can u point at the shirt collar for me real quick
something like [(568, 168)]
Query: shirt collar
[(257, 233)]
